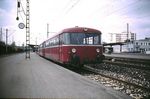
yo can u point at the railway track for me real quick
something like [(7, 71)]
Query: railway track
[(135, 90), (132, 89), (128, 77), (128, 64), (123, 81), (129, 60)]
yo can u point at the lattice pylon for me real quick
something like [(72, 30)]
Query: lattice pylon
[(27, 30)]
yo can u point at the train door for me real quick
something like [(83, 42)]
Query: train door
[(92, 40), (88, 51), (60, 47), (43, 49)]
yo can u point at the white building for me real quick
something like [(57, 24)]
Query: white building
[(142, 45), (122, 37)]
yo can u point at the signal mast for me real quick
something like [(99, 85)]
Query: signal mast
[(21, 25)]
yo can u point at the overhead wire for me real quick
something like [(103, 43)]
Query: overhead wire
[(107, 10), (68, 3), (66, 9), (122, 8), (125, 16), (135, 4), (21, 10), (22, 7), (119, 9), (21, 17), (72, 6), (102, 7)]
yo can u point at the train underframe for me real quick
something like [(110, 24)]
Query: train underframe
[(76, 55)]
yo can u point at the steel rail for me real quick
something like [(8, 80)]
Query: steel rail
[(86, 67)]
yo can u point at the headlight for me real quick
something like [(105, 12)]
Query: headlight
[(97, 50), (73, 50)]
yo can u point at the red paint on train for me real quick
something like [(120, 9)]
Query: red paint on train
[(76, 45)]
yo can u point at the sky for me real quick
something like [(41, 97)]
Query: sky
[(108, 16)]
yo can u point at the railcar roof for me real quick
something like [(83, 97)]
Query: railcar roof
[(79, 30), (76, 30)]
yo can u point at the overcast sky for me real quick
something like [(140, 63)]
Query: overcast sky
[(109, 16)]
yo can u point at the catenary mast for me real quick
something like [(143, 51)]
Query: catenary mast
[(21, 25)]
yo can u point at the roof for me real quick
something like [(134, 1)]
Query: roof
[(80, 29), (111, 44), (76, 30), (146, 39)]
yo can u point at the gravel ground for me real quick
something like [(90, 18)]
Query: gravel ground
[(132, 75)]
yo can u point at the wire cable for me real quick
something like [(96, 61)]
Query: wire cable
[(22, 8), (72, 6)]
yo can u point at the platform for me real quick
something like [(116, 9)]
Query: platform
[(40, 78)]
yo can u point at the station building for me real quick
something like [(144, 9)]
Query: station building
[(118, 41), (123, 42), (142, 45)]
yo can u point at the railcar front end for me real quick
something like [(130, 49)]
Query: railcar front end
[(81, 47), (82, 54)]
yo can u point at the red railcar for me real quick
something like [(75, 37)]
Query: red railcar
[(76, 45)]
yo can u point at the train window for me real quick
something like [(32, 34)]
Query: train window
[(96, 40), (56, 41), (53, 41), (61, 39), (90, 40), (84, 41), (43, 44), (93, 38), (77, 38), (47, 43), (66, 38), (81, 38)]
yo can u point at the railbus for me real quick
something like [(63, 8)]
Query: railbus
[(77, 45)]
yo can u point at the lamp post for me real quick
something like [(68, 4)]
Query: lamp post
[(6, 39)]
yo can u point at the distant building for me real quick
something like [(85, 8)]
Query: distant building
[(122, 37), (142, 45), (134, 46)]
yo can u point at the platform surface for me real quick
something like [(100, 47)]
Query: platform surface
[(40, 78)]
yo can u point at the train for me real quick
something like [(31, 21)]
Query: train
[(76, 45)]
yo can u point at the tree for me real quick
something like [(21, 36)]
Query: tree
[(13, 44)]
